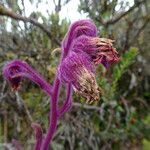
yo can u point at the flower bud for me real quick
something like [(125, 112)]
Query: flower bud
[(100, 50), (15, 70), (78, 28), (79, 71), (11, 72)]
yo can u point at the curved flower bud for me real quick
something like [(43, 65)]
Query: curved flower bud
[(15, 70), (100, 50), (78, 28), (79, 71)]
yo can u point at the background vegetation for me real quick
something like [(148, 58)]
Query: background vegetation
[(121, 120)]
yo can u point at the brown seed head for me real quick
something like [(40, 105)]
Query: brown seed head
[(88, 87)]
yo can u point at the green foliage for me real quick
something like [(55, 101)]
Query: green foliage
[(113, 125), (110, 88), (122, 66), (146, 144), (38, 107)]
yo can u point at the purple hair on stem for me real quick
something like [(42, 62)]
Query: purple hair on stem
[(68, 103), (81, 52)]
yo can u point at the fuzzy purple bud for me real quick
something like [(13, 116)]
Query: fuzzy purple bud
[(79, 71), (15, 70)]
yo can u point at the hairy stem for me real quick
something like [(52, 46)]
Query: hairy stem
[(68, 102), (39, 136), (53, 115)]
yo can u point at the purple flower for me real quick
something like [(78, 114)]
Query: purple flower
[(100, 50), (15, 70), (78, 28), (82, 51), (80, 72)]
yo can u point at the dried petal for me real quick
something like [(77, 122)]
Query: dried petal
[(87, 86)]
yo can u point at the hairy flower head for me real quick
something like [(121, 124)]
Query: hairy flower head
[(79, 71), (100, 50), (15, 70), (12, 72)]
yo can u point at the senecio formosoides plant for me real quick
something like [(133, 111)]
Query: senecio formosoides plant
[(82, 51)]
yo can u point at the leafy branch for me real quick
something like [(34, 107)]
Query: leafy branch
[(9, 13)]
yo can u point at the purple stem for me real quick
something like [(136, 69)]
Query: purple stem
[(39, 80), (54, 112), (68, 102), (37, 145), (16, 144), (38, 135), (44, 85), (53, 115)]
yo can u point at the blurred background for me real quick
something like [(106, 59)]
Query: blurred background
[(31, 29)]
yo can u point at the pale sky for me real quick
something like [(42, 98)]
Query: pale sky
[(69, 11)]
